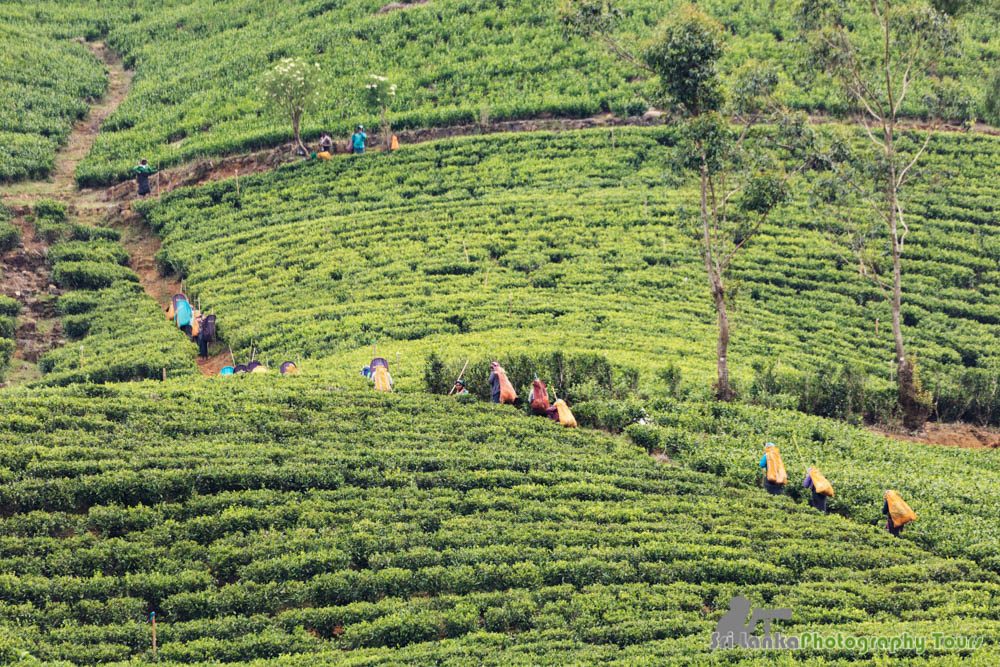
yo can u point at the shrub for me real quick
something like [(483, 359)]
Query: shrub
[(10, 236), (90, 275), (9, 307), (50, 209), (76, 303)]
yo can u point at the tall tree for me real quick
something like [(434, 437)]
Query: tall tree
[(291, 88), (878, 69), (743, 168)]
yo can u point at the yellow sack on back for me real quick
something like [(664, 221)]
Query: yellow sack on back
[(259, 369), (195, 326), (324, 155), (170, 310), (566, 417), (380, 377), (899, 511), (820, 484), (775, 466)]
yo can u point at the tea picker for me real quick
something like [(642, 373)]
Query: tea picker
[(460, 387), (775, 476), (142, 173), (816, 482)]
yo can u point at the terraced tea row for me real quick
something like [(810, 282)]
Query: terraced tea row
[(485, 246), (46, 86), (198, 66), (262, 515)]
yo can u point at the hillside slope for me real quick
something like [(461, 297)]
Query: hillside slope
[(508, 244), (198, 65), (264, 516)]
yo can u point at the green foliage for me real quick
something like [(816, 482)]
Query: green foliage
[(90, 274), (570, 248), (9, 307), (76, 303), (46, 86), (935, 480), (10, 236), (292, 88), (264, 516), (50, 209), (573, 377), (124, 337), (78, 251), (992, 104), (198, 68), (684, 53)]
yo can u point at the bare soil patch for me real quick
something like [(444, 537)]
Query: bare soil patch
[(965, 436)]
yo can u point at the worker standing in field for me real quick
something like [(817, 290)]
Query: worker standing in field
[(898, 513), (460, 388), (325, 142), (358, 140), (775, 476), (183, 316), (142, 172), (820, 487)]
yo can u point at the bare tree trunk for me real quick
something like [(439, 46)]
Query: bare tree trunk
[(298, 138), (722, 389), (386, 132)]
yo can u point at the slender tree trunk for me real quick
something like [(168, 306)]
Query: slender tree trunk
[(386, 132), (295, 128), (722, 389), (914, 407)]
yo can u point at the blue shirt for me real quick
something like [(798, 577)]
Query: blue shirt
[(763, 461), (358, 139)]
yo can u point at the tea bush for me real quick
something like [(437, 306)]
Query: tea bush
[(264, 516)]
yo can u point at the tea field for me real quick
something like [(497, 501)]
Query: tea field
[(481, 247), (263, 516), (198, 65), (46, 86)]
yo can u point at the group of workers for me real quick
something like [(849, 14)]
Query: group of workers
[(356, 144), (897, 512), (199, 328)]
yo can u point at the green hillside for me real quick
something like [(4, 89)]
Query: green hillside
[(308, 520), (266, 516), (530, 243), (46, 85), (198, 65)]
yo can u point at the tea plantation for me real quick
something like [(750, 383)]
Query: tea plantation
[(46, 86), (483, 246), (265, 516), (198, 65), (153, 515)]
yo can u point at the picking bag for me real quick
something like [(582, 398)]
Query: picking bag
[(775, 466), (507, 393), (899, 512), (820, 484), (540, 397), (566, 417), (380, 376)]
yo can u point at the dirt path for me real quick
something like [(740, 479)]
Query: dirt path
[(958, 434)]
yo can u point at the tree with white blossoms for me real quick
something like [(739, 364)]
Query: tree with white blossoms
[(380, 92), (292, 88)]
